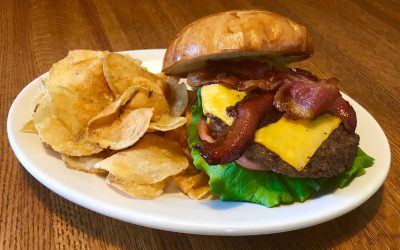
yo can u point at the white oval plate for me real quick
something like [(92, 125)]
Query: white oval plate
[(175, 212)]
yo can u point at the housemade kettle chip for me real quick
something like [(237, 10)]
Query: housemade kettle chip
[(86, 163), (167, 122), (81, 72), (112, 111), (149, 99), (60, 119), (152, 160), (143, 191), (193, 183), (124, 131), (29, 127), (178, 96), (122, 72)]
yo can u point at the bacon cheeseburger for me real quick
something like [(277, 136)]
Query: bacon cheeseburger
[(263, 132)]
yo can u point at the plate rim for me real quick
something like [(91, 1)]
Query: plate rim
[(154, 222)]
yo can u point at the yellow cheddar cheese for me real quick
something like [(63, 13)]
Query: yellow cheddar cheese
[(296, 141), (216, 98)]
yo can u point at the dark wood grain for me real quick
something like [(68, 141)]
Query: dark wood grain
[(357, 41)]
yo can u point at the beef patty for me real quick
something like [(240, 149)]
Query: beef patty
[(334, 155)]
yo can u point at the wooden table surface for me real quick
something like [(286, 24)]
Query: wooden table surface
[(356, 41)]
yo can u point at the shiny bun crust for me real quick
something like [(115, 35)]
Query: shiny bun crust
[(236, 34)]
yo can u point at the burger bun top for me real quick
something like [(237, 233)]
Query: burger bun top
[(233, 35)]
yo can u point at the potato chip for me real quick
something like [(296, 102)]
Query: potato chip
[(84, 56), (149, 99), (38, 97), (112, 111), (144, 191), (60, 119), (123, 72), (86, 163), (193, 183), (178, 96), (29, 127), (166, 123), (198, 193), (134, 60), (123, 132), (81, 72), (152, 160)]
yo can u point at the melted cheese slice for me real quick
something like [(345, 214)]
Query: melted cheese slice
[(216, 98), (296, 141)]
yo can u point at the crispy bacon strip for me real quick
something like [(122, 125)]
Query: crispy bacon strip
[(271, 84), (201, 78), (204, 77), (300, 99), (275, 79), (342, 109), (237, 138), (230, 73), (246, 75), (305, 100)]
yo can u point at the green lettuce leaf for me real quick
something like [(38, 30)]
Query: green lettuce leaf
[(234, 183), (361, 161)]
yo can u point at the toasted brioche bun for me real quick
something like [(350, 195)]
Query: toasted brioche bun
[(238, 34)]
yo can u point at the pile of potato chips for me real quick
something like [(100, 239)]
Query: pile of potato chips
[(106, 114)]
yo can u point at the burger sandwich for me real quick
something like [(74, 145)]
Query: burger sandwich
[(262, 131)]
